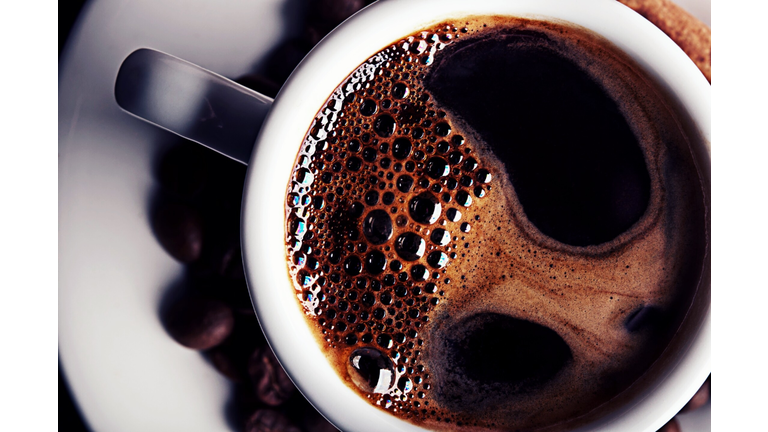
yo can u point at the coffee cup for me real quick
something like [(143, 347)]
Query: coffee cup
[(205, 113)]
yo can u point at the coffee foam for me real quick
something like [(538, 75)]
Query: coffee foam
[(492, 259)]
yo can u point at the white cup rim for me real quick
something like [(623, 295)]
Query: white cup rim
[(284, 129)]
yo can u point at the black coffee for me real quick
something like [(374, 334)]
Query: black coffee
[(496, 224), (577, 168)]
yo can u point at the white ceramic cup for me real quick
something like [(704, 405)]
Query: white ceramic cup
[(658, 395), (293, 112)]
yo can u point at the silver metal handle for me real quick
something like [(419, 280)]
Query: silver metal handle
[(191, 102)]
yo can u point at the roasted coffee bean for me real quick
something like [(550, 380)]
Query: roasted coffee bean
[(285, 58), (221, 255), (313, 33), (241, 405), (221, 198), (317, 423), (247, 335), (231, 263), (231, 357), (672, 426), (235, 294), (184, 169), (225, 361), (198, 322), (700, 398), (270, 382), (221, 252), (327, 14), (259, 83), (307, 417), (179, 230), (269, 420)]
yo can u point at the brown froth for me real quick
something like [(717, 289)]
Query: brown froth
[(409, 243)]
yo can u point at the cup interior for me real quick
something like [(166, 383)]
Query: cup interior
[(659, 394)]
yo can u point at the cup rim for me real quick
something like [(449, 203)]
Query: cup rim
[(294, 109)]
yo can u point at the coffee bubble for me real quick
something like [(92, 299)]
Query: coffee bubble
[(372, 198), (453, 215), (368, 108), (463, 198), (437, 259), (401, 148), (353, 266), (404, 183), (424, 208), (377, 227), (400, 90), (410, 246), (384, 125), (371, 370), (440, 237)]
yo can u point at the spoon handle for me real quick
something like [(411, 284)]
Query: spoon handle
[(191, 102)]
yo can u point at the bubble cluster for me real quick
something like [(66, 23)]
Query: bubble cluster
[(373, 218)]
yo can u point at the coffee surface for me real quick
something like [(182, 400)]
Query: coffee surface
[(495, 224), (577, 168)]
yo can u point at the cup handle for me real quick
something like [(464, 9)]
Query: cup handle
[(191, 102)]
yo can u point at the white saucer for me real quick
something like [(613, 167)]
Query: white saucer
[(123, 369)]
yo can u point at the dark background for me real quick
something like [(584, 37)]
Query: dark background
[(68, 13), (69, 416)]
